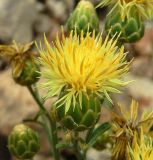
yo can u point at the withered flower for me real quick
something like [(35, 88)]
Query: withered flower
[(23, 62), (124, 124)]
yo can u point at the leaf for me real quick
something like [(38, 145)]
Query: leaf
[(98, 132)]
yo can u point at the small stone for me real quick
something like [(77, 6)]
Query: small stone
[(16, 20), (60, 9), (141, 90), (142, 66), (41, 7), (42, 24), (93, 154)]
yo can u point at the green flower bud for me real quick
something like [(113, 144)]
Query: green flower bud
[(23, 142), (131, 27), (84, 18), (80, 117), (29, 73)]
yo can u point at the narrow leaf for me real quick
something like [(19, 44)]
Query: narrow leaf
[(98, 132)]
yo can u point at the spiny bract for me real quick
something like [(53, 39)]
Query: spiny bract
[(81, 66), (143, 7)]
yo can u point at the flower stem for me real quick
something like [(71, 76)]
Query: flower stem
[(52, 134), (36, 98), (79, 153), (54, 139)]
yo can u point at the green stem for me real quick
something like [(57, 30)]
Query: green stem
[(47, 130), (54, 139), (79, 153), (43, 110), (51, 135), (37, 99), (89, 132)]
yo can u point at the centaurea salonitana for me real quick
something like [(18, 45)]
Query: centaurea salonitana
[(81, 66)]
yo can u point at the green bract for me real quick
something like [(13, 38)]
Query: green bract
[(80, 118), (130, 27), (84, 18), (29, 74), (23, 142)]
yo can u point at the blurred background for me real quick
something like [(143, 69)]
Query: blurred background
[(28, 20)]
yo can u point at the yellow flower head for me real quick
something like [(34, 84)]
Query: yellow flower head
[(143, 7), (81, 66), (141, 149), (17, 54), (126, 123)]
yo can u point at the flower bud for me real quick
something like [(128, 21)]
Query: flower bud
[(23, 142), (81, 116), (130, 27), (84, 18), (29, 73)]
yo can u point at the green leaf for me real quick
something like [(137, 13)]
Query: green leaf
[(98, 132)]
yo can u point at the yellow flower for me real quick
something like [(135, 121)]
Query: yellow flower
[(141, 149), (125, 124), (143, 7), (17, 54), (81, 66)]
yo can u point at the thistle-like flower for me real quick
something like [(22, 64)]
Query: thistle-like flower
[(82, 66), (125, 124), (23, 63), (141, 149), (143, 7)]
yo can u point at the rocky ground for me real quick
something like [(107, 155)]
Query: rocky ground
[(26, 21)]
